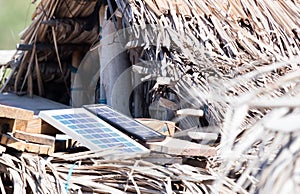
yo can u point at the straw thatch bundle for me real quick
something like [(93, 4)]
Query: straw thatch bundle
[(58, 29), (240, 59), (84, 172)]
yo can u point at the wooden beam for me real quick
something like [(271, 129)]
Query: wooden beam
[(34, 125), (15, 113), (9, 141), (11, 125), (20, 145), (50, 47), (35, 138), (182, 148), (163, 159)]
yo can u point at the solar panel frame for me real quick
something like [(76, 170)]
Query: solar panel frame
[(93, 132), (125, 123)]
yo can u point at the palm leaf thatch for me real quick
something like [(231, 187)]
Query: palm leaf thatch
[(66, 173), (240, 59)]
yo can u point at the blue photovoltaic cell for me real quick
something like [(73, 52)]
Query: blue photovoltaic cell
[(125, 124), (92, 131)]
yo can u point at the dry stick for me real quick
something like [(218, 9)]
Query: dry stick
[(2, 189), (51, 8), (130, 177), (30, 83), (21, 70), (28, 73), (58, 59), (39, 76), (8, 79), (162, 6), (55, 175), (26, 55), (153, 7), (256, 15)]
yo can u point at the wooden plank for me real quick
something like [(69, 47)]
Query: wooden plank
[(163, 159), (39, 149), (183, 148), (11, 125), (163, 127), (24, 146), (35, 138), (13, 142), (34, 125), (15, 113), (19, 125)]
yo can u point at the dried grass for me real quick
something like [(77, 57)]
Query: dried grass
[(241, 59), (57, 174), (244, 64)]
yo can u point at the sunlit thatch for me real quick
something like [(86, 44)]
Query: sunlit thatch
[(238, 58)]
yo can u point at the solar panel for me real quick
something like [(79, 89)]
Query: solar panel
[(125, 124), (93, 132)]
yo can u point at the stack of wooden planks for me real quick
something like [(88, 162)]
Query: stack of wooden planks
[(23, 131)]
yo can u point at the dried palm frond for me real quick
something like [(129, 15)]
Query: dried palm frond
[(239, 59), (242, 61), (59, 173)]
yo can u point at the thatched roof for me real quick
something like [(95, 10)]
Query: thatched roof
[(87, 173), (239, 58)]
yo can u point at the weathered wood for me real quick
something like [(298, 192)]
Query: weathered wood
[(13, 142), (24, 146), (11, 125), (34, 125), (35, 138), (31, 126), (163, 159), (19, 125), (39, 149), (164, 127), (15, 113), (183, 148)]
